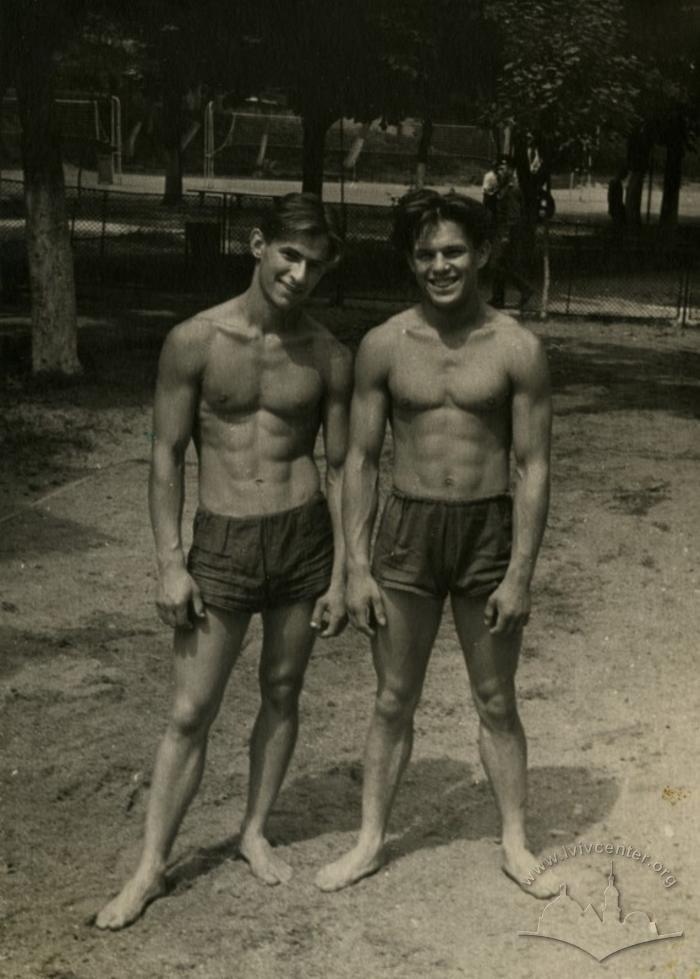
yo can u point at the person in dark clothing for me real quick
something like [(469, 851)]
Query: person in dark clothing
[(509, 237), (616, 198)]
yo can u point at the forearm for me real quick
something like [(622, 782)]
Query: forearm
[(334, 492), (531, 504), (166, 494), (360, 498)]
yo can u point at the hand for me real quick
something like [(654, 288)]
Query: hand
[(508, 609), (365, 604), (329, 611), (177, 595)]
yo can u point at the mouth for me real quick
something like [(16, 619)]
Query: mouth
[(444, 284), (292, 290)]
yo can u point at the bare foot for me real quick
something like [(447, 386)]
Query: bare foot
[(263, 861), (519, 864), (353, 866), (131, 902)]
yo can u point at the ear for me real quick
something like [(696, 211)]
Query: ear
[(257, 243), (483, 253)]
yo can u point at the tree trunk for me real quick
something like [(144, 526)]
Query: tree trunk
[(673, 172), (639, 147), (633, 196), (423, 152), (313, 149), (54, 317)]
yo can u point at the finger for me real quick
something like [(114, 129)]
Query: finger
[(502, 626), (332, 626), (379, 610), (198, 603), (182, 619), (165, 617), (491, 610), (360, 620), (318, 613)]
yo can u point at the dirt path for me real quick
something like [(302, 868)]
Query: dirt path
[(608, 689)]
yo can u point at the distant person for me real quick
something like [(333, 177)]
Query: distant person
[(616, 198), (489, 191), (250, 381), (464, 386), (509, 239)]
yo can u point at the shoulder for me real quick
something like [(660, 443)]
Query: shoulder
[(380, 343), (187, 345), (522, 351), (333, 359)]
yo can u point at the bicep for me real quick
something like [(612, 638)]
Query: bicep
[(370, 405), (177, 391), (336, 409), (532, 406)]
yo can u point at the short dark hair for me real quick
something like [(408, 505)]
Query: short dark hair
[(420, 209), (301, 214)]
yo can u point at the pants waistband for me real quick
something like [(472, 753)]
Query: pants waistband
[(317, 497), (478, 501)]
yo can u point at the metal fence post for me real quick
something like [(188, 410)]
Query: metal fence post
[(572, 254), (103, 231)]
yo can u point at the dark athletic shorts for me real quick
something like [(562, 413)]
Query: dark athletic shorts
[(432, 547), (251, 563)]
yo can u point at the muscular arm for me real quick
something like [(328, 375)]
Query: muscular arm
[(336, 403), (370, 406), (177, 392), (531, 427)]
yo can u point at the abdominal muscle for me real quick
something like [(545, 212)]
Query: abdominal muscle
[(450, 454), (255, 463)]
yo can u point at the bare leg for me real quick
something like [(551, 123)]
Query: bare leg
[(287, 643), (203, 658), (401, 652), (491, 662)]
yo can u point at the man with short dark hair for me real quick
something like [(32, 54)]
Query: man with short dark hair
[(251, 382), (507, 254), (463, 385)]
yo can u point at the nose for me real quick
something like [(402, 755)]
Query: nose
[(299, 272), (439, 262)]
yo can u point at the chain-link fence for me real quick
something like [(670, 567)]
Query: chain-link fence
[(576, 268)]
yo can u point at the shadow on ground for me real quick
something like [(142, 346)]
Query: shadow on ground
[(440, 801)]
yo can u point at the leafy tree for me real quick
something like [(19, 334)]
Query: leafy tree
[(668, 106), (328, 59), (564, 78)]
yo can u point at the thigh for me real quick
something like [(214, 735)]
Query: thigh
[(491, 659), (401, 649), (204, 656), (287, 641)]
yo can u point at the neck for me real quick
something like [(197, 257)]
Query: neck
[(260, 312), (467, 315)]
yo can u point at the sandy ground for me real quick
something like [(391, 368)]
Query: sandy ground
[(608, 692)]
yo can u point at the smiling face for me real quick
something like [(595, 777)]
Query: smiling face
[(288, 270), (446, 265)]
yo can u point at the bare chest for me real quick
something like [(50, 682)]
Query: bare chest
[(471, 381), (244, 378)]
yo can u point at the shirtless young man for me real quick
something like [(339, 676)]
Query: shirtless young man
[(251, 381), (462, 385)]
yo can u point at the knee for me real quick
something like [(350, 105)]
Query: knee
[(496, 706), (395, 706), (190, 718), (281, 694)]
